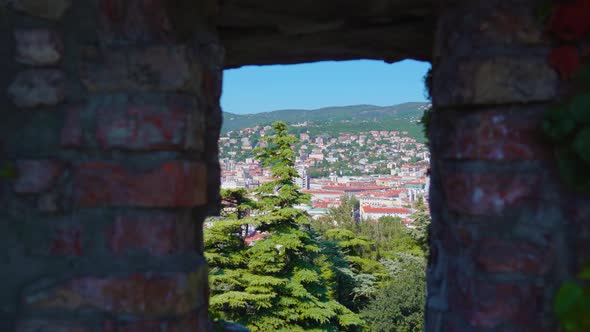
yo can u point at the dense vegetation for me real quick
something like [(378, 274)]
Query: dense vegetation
[(333, 274), (336, 120)]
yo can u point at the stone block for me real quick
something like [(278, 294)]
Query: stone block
[(45, 325), (501, 256), (134, 123), (161, 68), (494, 24), (38, 87), (492, 135), (36, 176), (491, 194), (494, 81), (138, 126), (49, 9), (135, 21), (197, 321), (143, 295), (38, 47), (173, 184), (159, 235), (487, 305), (66, 242)]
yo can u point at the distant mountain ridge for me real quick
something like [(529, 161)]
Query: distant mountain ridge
[(409, 112)]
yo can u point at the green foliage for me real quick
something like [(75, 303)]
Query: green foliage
[(399, 305), (283, 282), (335, 120), (572, 303), (425, 122), (568, 127), (8, 171)]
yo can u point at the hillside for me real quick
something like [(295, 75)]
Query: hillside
[(337, 119)]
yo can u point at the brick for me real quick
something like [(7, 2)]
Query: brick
[(481, 25), (486, 305), (72, 134), (38, 47), (146, 296), (495, 81), (498, 256), (161, 68), (134, 21), (197, 321), (140, 126), (136, 123), (173, 184), (493, 135), (159, 235), (38, 87), (50, 9), (36, 176), (488, 193), (44, 325), (48, 203), (66, 242)]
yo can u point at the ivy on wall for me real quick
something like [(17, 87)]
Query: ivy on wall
[(567, 125)]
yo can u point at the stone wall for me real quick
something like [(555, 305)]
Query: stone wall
[(111, 121), (505, 232)]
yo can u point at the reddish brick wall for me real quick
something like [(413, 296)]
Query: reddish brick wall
[(112, 124), (504, 231)]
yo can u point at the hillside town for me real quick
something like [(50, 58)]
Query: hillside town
[(387, 171)]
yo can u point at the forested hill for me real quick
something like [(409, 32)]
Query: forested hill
[(340, 119)]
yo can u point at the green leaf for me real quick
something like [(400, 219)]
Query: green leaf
[(567, 298), (581, 144), (580, 108), (8, 171), (572, 169), (585, 274), (559, 123), (582, 76), (544, 10)]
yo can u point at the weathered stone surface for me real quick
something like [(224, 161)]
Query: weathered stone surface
[(143, 295), (480, 26), (72, 131), (38, 87), (193, 322), (136, 123), (48, 203), (158, 235), (163, 68), (134, 21), (143, 127), (173, 184), (494, 81), (499, 256), (492, 135), (66, 242), (45, 325), (488, 193), (265, 32), (38, 47), (35, 176), (485, 304), (50, 9)]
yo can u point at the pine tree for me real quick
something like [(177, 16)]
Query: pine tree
[(278, 283)]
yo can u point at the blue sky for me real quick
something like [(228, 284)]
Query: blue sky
[(255, 89)]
